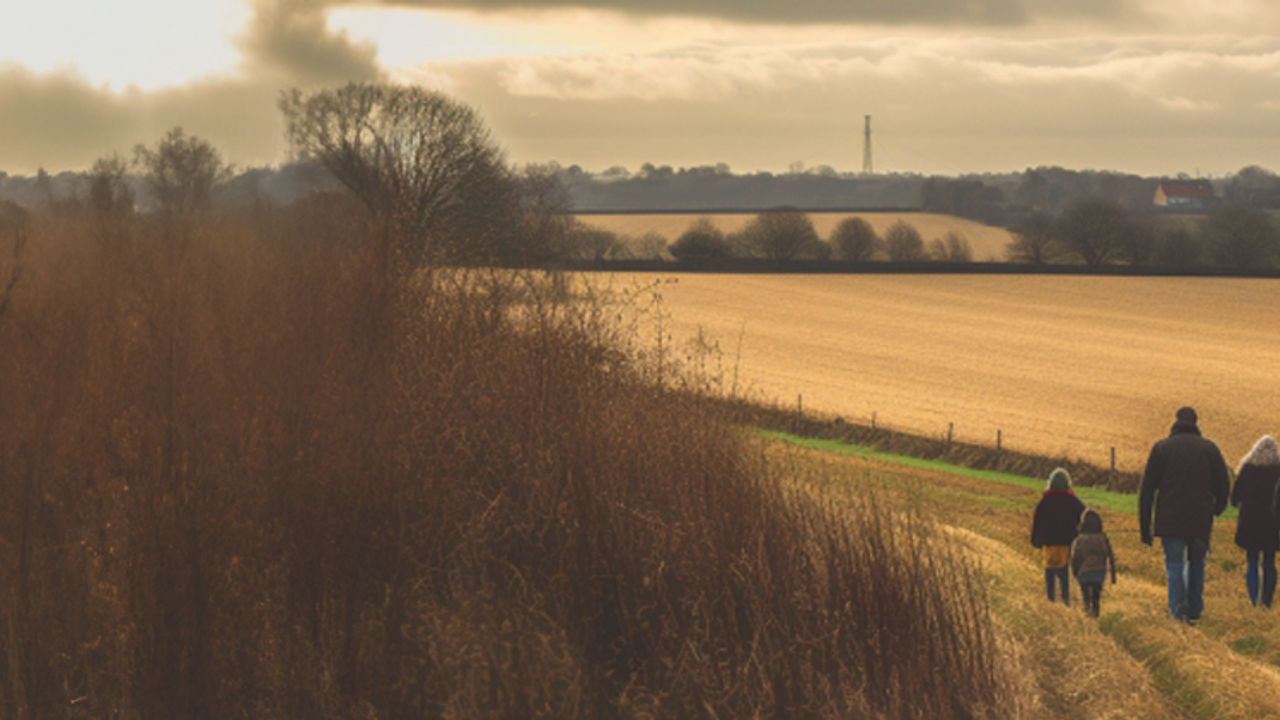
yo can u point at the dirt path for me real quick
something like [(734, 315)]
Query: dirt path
[(1133, 661)]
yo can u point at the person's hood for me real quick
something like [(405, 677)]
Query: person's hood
[(1090, 521)]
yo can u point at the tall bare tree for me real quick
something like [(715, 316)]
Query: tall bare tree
[(111, 200), (1032, 239), (424, 164), (13, 224), (182, 171), (1093, 228)]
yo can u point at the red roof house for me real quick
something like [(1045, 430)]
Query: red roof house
[(1184, 193)]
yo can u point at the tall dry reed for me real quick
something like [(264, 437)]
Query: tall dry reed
[(250, 471)]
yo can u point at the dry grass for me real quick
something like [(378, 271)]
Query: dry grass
[(1062, 366), (250, 471), (987, 243), (1134, 662)]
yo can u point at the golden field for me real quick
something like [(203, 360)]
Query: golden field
[(1068, 366), (988, 243)]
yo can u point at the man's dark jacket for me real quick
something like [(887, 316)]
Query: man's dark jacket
[(1186, 480)]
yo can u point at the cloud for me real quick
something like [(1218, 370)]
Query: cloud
[(810, 12), (291, 39), (60, 121), (943, 104)]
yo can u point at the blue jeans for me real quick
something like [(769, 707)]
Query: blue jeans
[(1184, 569), (1261, 563), (1062, 576)]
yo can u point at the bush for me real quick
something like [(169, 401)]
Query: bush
[(265, 477), (784, 234), (854, 239), (701, 242), (953, 248), (1242, 237), (904, 244)]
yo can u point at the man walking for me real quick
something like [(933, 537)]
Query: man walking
[(1186, 479)]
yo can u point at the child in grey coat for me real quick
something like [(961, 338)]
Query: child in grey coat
[(1090, 557)]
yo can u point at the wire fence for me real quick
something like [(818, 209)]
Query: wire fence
[(943, 446)]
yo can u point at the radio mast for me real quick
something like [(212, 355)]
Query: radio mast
[(866, 148)]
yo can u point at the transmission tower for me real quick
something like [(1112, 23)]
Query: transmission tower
[(866, 148)]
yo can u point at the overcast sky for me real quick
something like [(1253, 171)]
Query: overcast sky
[(953, 86)]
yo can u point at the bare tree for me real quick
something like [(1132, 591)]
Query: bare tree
[(904, 244), (1033, 239), (700, 242), (954, 247), (1138, 243), (1179, 248), (854, 239), (1093, 228), (182, 171), (424, 164), (546, 225), (1242, 237), (110, 200), (785, 234), (13, 224)]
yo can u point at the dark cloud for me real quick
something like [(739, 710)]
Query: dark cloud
[(290, 38), (808, 12), (60, 121)]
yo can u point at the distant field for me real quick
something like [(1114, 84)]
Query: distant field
[(988, 243), (1070, 365)]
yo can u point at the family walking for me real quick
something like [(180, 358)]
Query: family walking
[(1185, 485)]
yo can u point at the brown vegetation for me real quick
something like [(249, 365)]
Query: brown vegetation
[(256, 474), (1134, 661)]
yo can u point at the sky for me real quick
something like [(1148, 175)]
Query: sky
[(1154, 87)]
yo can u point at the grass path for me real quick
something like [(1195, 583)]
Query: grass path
[(1133, 662)]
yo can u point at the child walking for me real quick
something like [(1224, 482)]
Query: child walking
[(1090, 557), (1053, 529)]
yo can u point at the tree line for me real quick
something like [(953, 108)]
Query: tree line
[(1098, 231), (785, 234), (427, 169)]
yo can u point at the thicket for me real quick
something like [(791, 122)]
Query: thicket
[(250, 468)]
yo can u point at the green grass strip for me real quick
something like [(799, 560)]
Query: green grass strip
[(1091, 496)]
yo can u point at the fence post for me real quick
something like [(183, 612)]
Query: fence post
[(799, 412), (873, 421), (1111, 478), (999, 438), (950, 429)]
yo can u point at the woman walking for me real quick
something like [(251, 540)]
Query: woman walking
[(1257, 531), (1053, 529)]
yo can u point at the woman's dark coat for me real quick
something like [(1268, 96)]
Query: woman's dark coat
[(1057, 515), (1255, 488)]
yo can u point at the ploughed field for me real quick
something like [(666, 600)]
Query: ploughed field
[(987, 243), (1069, 366)]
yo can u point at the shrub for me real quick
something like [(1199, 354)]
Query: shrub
[(903, 243), (953, 248), (854, 239), (784, 234), (701, 242), (265, 477)]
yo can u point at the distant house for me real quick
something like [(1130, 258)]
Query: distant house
[(1184, 194)]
